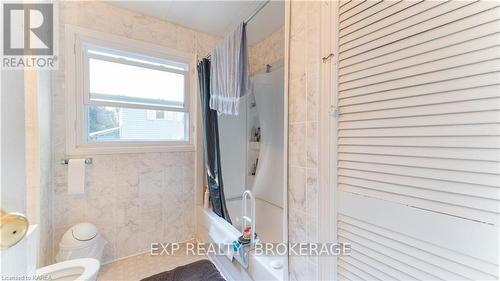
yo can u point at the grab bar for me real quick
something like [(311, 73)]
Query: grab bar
[(241, 247), (248, 220)]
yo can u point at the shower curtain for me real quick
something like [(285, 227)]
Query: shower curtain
[(211, 143)]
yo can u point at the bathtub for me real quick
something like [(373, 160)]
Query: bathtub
[(213, 229), (269, 222)]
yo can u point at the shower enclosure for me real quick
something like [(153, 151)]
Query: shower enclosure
[(252, 154), (251, 145)]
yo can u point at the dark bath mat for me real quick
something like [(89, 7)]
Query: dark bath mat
[(203, 270)]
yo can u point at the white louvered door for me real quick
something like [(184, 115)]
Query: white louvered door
[(418, 140)]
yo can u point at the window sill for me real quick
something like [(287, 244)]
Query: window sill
[(94, 149)]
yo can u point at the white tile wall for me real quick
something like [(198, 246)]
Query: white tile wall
[(267, 51), (134, 199), (303, 133)]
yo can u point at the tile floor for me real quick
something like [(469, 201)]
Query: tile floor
[(137, 267)]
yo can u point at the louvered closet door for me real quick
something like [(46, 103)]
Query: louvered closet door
[(418, 87)]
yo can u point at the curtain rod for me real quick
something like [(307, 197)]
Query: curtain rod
[(250, 17), (257, 11)]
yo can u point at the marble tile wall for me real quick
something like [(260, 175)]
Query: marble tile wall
[(303, 133), (134, 199), (268, 51)]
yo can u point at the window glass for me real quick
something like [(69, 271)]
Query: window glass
[(117, 82)]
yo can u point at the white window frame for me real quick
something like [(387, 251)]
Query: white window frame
[(77, 99)]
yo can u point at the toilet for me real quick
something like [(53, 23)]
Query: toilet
[(85, 269), (79, 256)]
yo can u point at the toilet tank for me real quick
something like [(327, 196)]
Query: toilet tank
[(81, 241)]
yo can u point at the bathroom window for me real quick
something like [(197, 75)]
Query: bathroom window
[(129, 96)]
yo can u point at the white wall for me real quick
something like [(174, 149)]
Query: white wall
[(44, 100), (13, 183), (26, 150)]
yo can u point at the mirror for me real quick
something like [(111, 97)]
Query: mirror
[(252, 143)]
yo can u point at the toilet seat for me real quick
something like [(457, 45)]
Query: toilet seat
[(81, 269)]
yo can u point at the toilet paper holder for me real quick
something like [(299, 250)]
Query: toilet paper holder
[(13, 228), (88, 161)]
